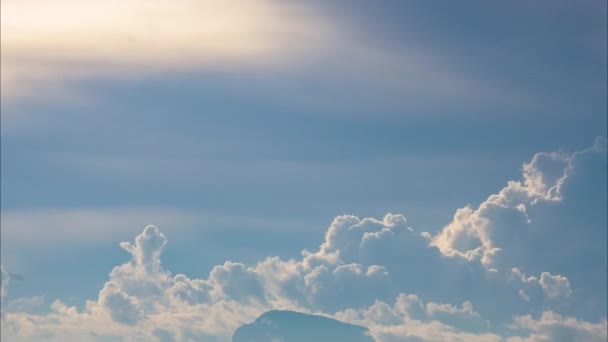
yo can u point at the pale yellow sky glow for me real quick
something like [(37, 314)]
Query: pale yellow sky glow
[(54, 41)]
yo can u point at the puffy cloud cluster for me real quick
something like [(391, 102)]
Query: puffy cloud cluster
[(360, 266), (410, 319), (471, 234), (142, 299), (551, 326), (121, 307), (487, 232), (555, 285)]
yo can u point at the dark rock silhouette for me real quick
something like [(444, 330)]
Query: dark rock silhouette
[(290, 326)]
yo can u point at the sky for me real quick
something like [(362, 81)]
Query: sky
[(432, 171)]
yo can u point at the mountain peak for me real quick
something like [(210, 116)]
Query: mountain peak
[(291, 326)]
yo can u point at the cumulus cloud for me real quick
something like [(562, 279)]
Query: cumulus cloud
[(142, 295), (470, 234), (121, 307), (522, 276), (410, 319), (26, 304), (551, 326), (360, 273), (141, 300), (484, 233), (555, 285), (146, 250), (236, 281)]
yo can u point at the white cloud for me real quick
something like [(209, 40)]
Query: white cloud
[(522, 276), (236, 281), (146, 250), (523, 295), (360, 267), (555, 286), (348, 238), (409, 319), (121, 307), (26, 304), (141, 300), (556, 328), (484, 233)]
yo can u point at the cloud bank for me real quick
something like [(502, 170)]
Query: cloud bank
[(402, 284)]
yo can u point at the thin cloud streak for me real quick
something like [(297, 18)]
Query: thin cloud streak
[(93, 225)]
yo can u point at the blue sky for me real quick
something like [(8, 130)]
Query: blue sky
[(243, 130)]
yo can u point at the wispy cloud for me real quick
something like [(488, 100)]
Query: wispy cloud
[(47, 46), (67, 40), (93, 225), (85, 225)]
